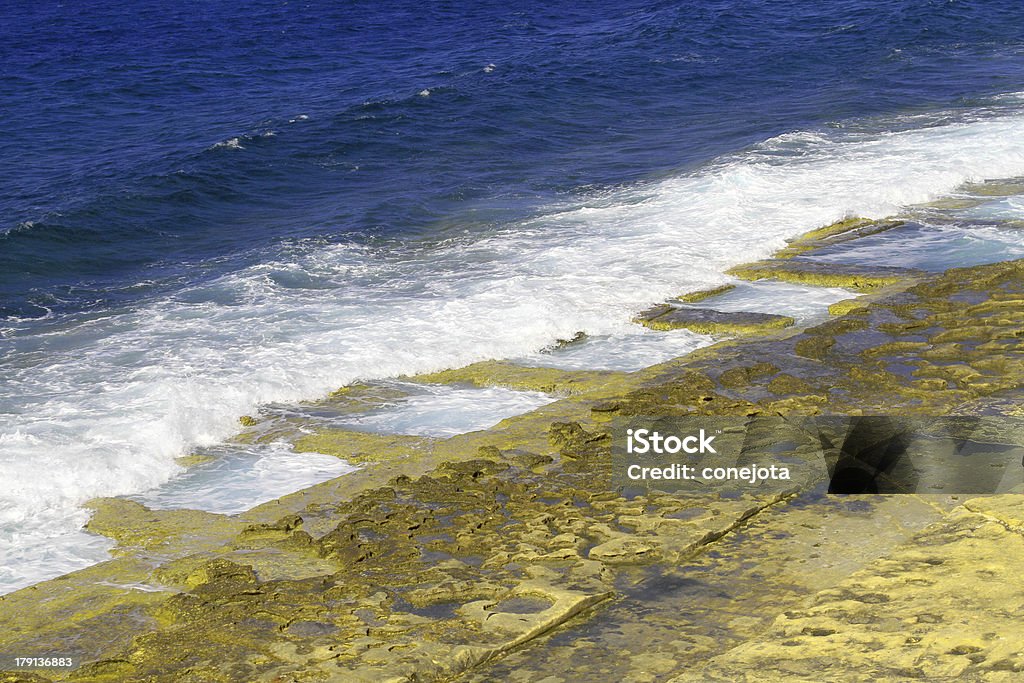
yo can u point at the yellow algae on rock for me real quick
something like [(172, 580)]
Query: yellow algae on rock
[(944, 607), (833, 229), (194, 459), (360, 447), (845, 306), (701, 295), (504, 374), (828, 275), (994, 188), (133, 525), (835, 233), (707, 321)]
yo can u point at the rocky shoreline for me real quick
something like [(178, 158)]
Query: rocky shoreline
[(508, 554)]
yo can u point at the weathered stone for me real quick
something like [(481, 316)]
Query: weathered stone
[(814, 346), (708, 321), (904, 617), (701, 295), (825, 274)]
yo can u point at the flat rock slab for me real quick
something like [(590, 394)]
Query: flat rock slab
[(676, 617), (710, 321), (945, 607), (805, 271)]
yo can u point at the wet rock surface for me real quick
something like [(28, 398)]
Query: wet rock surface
[(944, 607), (674, 618)]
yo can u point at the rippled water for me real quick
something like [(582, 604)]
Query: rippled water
[(205, 209)]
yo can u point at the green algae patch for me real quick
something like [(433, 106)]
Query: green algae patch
[(814, 346), (822, 275), (134, 525), (818, 237), (788, 384), (793, 250), (90, 614), (685, 392), (845, 306), (840, 326), (694, 297), (354, 399), (840, 231), (707, 321), (895, 348), (953, 203), (360, 398), (194, 459), (743, 376), (577, 338), (833, 229), (571, 440), (360, 447), (503, 374)]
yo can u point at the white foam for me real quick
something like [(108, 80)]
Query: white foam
[(437, 410), (242, 477), (631, 349), (1010, 97), (49, 545), (233, 143), (108, 413), (782, 298), (638, 347)]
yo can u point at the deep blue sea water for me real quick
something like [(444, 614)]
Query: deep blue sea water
[(112, 174), (205, 207)]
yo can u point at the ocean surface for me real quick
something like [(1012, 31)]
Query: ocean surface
[(210, 207)]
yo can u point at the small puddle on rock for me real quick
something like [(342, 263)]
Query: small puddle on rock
[(524, 604)]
